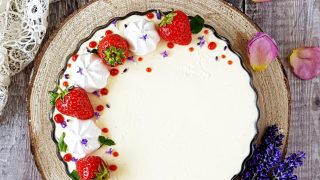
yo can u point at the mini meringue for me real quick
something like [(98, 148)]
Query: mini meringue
[(89, 72), (142, 37)]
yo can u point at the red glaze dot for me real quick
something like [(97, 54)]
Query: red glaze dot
[(115, 154), (74, 57), (223, 56), (114, 72), (105, 130), (212, 45), (150, 15), (104, 91), (108, 32), (140, 59), (113, 167), (99, 108), (230, 62), (191, 49), (206, 31), (149, 69), (170, 45), (67, 157), (93, 44), (69, 65), (58, 118), (65, 83)]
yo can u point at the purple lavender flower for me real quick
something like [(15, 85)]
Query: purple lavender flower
[(109, 151), (201, 42), (164, 54), (96, 93), (64, 124), (130, 58), (73, 159), (84, 141), (114, 22), (66, 76), (97, 115), (158, 14), (80, 71), (125, 25), (144, 37)]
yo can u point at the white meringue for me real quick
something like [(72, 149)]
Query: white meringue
[(89, 72), (142, 37), (82, 137)]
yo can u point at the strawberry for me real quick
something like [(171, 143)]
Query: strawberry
[(73, 101), (92, 167), (175, 27), (113, 49)]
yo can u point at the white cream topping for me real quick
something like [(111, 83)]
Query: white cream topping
[(142, 36), (89, 72), (82, 137)]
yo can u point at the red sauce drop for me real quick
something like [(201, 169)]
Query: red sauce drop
[(108, 32), (206, 31), (115, 154), (93, 44), (140, 59), (114, 72), (105, 130), (67, 157), (170, 45), (223, 56), (99, 108), (150, 15), (113, 167), (230, 62), (191, 49), (149, 69), (58, 118), (212, 45), (104, 91), (69, 65), (74, 57), (65, 83)]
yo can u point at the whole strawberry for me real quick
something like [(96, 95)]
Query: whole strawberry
[(73, 101), (92, 167), (175, 27), (113, 49)]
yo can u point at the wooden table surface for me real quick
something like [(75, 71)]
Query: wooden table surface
[(292, 23)]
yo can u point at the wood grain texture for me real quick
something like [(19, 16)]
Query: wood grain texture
[(296, 23), (227, 21)]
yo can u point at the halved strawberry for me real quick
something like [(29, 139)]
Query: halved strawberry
[(92, 167), (175, 27), (113, 49), (72, 101)]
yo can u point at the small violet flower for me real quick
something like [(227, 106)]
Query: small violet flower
[(84, 141), (109, 151), (305, 62), (201, 42), (130, 58), (64, 124), (114, 22), (80, 71), (97, 115), (73, 159), (159, 15), (164, 54), (144, 37), (96, 93), (262, 50)]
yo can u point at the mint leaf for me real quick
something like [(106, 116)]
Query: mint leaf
[(61, 144), (106, 141), (74, 175), (196, 24)]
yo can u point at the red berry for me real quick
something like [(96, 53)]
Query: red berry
[(191, 49), (175, 27), (69, 65), (105, 130), (92, 44), (74, 57), (65, 83), (67, 157), (150, 15), (230, 62), (206, 31), (115, 154), (170, 45), (114, 72), (108, 32), (212, 45), (92, 167), (99, 108), (149, 69), (113, 167), (58, 118), (140, 59), (104, 91), (223, 56)]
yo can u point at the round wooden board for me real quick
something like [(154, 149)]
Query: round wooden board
[(271, 85)]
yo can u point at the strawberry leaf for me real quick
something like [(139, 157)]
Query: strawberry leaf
[(61, 144), (196, 24), (103, 173), (167, 19), (74, 175), (53, 97), (106, 141)]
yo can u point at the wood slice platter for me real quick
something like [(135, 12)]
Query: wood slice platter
[(271, 85)]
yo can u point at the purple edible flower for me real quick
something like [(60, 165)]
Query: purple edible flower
[(73, 159), (84, 141), (158, 14), (130, 58), (66, 76), (97, 115), (125, 25), (201, 42), (164, 54), (96, 93), (80, 71), (64, 124), (114, 22), (144, 37), (109, 151)]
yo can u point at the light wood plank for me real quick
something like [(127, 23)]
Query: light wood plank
[(295, 23)]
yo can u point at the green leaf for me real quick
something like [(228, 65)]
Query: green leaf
[(53, 97), (196, 24), (74, 175), (61, 144), (167, 19), (106, 141)]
